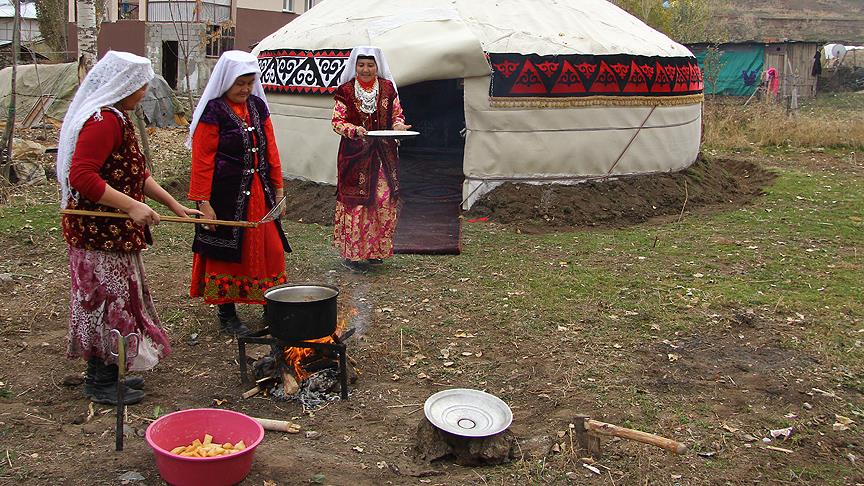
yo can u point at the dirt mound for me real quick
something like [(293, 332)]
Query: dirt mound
[(622, 201), (310, 202), (613, 202)]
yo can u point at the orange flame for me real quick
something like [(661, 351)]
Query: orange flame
[(294, 356)]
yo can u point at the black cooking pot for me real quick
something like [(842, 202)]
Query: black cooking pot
[(301, 311)]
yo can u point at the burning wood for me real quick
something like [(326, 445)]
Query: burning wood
[(309, 371), (301, 359)]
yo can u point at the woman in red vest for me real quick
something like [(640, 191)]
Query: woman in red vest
[(367, 189), (100, 168), (236, 175)]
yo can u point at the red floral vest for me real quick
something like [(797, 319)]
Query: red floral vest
[(358, 161), (125, 170)]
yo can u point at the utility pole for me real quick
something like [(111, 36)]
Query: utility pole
[(8, 133)]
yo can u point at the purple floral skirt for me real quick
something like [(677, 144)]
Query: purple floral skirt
[(109, 291)]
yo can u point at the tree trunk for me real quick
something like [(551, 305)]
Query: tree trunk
[(8, 133), (88, 33)]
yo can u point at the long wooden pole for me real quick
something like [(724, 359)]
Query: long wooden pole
[(9, 132), (172, 219)]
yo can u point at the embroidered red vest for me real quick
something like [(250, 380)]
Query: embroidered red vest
[(358, 161), (125, 170)]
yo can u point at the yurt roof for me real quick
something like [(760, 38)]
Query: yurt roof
[(541, 27)]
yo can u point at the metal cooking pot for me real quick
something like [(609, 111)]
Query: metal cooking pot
[(301, 311)]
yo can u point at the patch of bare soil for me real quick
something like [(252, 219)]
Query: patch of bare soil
[(309, 202), (614, 202), (623, 201)]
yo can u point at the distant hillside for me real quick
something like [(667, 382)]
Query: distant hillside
[(814, 20)]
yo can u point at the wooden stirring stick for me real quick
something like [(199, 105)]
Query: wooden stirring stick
[(172, 219)]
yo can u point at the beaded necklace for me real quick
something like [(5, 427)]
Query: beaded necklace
[(368, 99)]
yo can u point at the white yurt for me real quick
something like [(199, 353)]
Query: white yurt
[(546, 91)]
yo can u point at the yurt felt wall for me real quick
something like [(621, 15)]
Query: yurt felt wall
[(552, 93)]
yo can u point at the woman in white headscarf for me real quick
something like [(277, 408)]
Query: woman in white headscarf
[(367, 189), (100, 168), (236, 175)]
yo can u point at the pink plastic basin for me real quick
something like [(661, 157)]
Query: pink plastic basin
[(181, 428)]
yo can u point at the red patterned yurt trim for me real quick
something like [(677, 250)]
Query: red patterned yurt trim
[(603, 78)]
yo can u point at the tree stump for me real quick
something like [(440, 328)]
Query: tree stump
[(434, 444)]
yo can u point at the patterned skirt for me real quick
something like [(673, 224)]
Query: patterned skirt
[(109, 291), (366, 232)]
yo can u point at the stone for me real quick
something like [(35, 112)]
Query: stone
[(74, 379), (131, 476)]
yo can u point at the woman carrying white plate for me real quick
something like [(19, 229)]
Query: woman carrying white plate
[(367, 190)]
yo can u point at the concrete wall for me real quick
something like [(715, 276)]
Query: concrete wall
[(188, 37)]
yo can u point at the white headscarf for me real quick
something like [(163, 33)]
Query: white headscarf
[(231, 65), (116, 76), (350, 71)]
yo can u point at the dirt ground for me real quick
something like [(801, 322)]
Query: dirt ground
[(737, 371), (608, 203)]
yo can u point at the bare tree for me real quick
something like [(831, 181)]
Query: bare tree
[(183, 31), (6, 162)]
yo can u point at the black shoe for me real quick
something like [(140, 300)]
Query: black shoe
[(107, 394), (230, 322), (375, 261), (355, 267), (100, 384), (136, 382)]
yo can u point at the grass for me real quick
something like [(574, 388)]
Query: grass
[(578, 309), (834, 121)]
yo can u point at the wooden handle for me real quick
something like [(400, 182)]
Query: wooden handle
[(603, 428), (172, 219), (278, 425)]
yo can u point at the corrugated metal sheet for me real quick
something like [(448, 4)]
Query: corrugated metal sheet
[(214, 11)]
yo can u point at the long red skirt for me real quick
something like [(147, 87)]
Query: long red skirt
[(366, 232), (262, 263)]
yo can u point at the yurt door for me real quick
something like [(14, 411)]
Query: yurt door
[(430, 168)]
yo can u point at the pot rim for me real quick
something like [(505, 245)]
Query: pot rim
[(301, 284)]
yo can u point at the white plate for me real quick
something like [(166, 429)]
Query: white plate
[(467, 412), (392, 133)]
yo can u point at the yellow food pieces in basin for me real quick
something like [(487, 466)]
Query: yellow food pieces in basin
[(208, 448)]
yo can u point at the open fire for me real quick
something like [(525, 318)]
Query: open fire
[(311, 371), (308, 360)]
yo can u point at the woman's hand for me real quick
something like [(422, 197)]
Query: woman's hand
[(185, 212), (360, 133), (401, 127), (207, 212), (143, 214), (279, 195)]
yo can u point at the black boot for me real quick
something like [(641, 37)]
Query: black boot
[(136, 382), (100, 384), (230, 323)]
